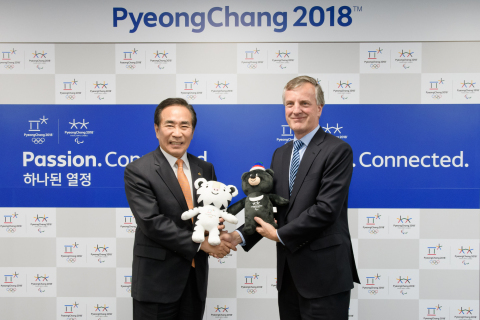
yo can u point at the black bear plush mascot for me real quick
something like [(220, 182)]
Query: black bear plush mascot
[(256, 184)]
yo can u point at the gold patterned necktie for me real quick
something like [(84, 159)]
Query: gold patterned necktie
[(183, 181)]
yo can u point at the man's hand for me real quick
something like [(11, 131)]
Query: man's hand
[(266, 229), (221, 226), (233, 237), (219, 251)]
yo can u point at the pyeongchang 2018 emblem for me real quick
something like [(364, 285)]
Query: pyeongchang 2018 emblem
[(286, 134), (40, 59), (406, 58), (220, 88), (375, 58), (7, 61), (160, 59), (374, 224), (11, 282), (79, 131), (466, 254), (404, 224), (403, 284), (435, 312), (336, 131), (129, 225), (282, 58), (373, 284), (221, 312), (42, 282), (252, 59), (127, 284), (101, 253), (40, 223), (100, 90), (467, 89), (71, 308), (71, 252), (437, 89), (344, 89), (11, 223), (191, 89), (36, 131), (251, 284), (434, 255), (101, 311)]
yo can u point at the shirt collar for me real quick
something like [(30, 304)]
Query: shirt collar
[(172, 160), (308, 137)]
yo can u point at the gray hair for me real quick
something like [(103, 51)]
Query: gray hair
[(301, 80)]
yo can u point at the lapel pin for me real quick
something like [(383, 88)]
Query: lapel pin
[(199, 174)]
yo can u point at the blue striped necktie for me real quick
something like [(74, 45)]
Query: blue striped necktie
[(297, 145)]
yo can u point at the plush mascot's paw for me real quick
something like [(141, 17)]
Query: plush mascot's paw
[(198, 237), (230, 218), (214, 241)]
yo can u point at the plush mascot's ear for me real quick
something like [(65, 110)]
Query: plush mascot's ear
[(198, 183), (233, 190), (270, 171)]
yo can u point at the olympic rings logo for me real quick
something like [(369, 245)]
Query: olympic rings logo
[(373, 231), (252, 291), (191, 97), (71, 259), (38, 140), (11, 230), (70, 97), (436, 96), (434, 262), (9, 66), (374, 292), (131, 230), (252, 66), (374, 66), (130, 66), (11, 290), (129, 289)]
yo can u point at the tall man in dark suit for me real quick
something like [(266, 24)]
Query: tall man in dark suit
[(315, 265), (170, 271)]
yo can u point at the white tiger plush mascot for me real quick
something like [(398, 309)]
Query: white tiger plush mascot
[(214, 198)]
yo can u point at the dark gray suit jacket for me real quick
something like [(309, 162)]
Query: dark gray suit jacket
[(314, 226), (163, 248)]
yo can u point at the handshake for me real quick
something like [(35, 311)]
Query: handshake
[(229, 241)]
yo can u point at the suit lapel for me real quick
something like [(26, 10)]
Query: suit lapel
[(285, 178), (196, 172), (309, 156), (166, 173)]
